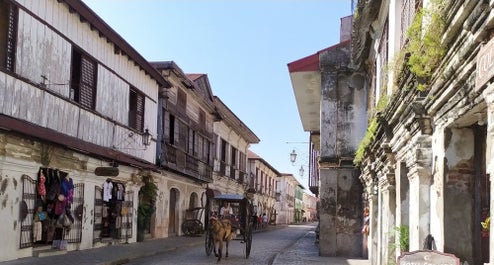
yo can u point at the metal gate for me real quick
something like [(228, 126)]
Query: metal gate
[(98, 214), (27, 208), (127, 215), (77, 210)]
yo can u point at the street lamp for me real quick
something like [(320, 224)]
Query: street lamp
[(293, 156), (301, 171)]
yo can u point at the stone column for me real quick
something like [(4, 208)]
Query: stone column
[(372, 242), (388, 209), (420, 185)]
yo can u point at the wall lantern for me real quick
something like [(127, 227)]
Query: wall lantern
[(249, 193), (293, 156), (146, 138)]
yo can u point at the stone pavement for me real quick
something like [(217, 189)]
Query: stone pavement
[(304, 251)]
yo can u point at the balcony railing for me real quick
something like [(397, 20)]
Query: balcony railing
[(241, 176), (182, 162)]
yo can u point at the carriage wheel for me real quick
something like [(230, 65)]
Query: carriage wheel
[(208, 242), (248, 240), (198, 227), (188, 227)]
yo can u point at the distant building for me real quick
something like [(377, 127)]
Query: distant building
[(263, 179), (286, 190), (310, 202)]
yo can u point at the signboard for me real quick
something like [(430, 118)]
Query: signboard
[(485, 65), (106, 171), (428, 257)]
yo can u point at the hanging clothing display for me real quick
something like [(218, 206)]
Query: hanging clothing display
[(67, 187), (55, 192), (107, 190), (113, 196), (41, 185)]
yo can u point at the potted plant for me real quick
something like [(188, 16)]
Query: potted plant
[(147, 206), (485, 227)]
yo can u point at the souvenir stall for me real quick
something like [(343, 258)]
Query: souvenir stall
[(113, 209), (53, 216)]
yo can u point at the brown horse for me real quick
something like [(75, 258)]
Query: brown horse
[(221, 231)]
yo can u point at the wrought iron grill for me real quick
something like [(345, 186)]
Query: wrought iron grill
[(27, 208)]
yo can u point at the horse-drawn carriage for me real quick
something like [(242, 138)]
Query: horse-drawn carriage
[(239, 223), (192, 225)]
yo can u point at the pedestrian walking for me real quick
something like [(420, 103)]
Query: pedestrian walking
[(264, 220)]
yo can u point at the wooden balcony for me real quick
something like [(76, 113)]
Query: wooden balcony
[(179, 161)]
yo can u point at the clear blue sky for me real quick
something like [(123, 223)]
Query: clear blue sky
[(244, 48)]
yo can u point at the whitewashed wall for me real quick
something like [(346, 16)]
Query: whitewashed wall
[(44, 48)]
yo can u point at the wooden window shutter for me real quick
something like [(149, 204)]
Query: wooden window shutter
[(136, 109), (87, 83), (140, 112), (11, 38)]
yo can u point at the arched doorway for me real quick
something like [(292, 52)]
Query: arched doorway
[(173, 216), (194, 201)]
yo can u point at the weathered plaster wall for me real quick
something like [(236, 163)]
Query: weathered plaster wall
[(340, 213), (458, 192), (343, 123)]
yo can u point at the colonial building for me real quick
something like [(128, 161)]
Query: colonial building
[(428, 155), (286, 186), (310, 202), (263, 178), (186, 153), (299, 203), (76, 103), (232, 140), (332, 98)]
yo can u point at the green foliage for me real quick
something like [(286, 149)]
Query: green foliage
[(147, 201), (424, 46), (371, 131), (366, 141), (402, 232)]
